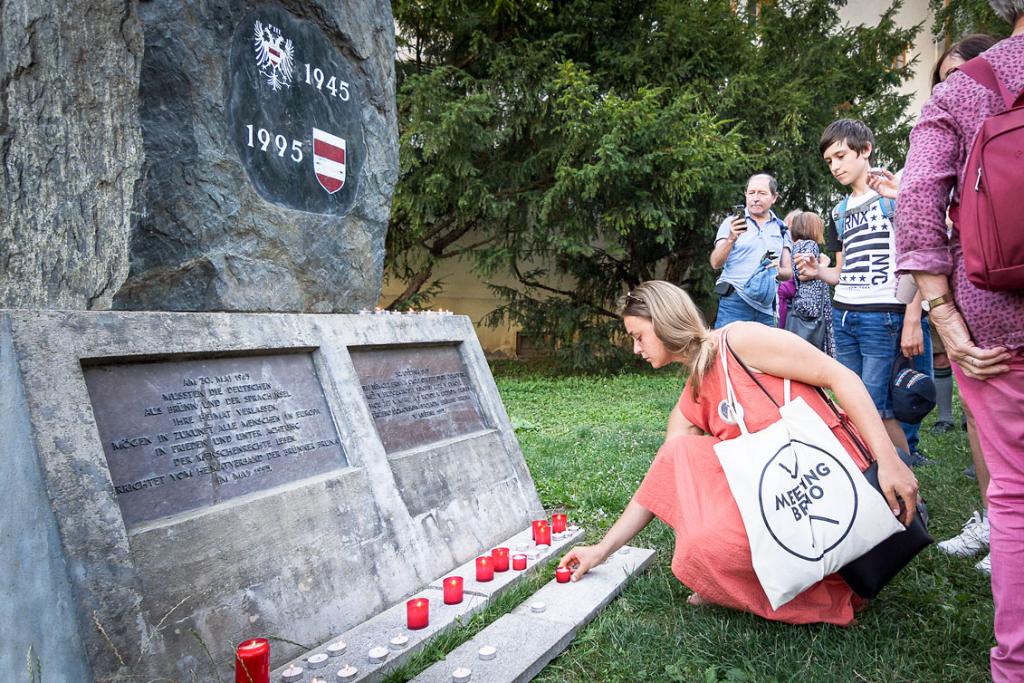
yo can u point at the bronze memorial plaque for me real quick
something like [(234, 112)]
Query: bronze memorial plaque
[(186, 434), (417, 395)]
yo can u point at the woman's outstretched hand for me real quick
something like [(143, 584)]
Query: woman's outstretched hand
[(582, 559)]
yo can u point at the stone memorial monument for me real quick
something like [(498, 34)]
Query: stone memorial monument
[(177, 483)]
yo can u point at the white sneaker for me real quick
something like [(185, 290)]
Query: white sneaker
[(985, 566), (971, 541)]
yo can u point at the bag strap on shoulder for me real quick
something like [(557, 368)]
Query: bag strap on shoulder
[(786, 385), (843, 418)]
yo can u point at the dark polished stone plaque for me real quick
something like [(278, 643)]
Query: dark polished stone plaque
[(294, 113), (185, 434), (417, 395)]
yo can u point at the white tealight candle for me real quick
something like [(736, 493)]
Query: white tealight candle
[(532, 554), (461, 674), (522, 547), (537, 606), (573, 528), (317, 661), (542, 547), (378, 654), (487, 652), (291, 674), (399, 641), (346, 673), (336, 649)]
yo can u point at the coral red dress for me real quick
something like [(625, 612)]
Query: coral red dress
[(687, 489)]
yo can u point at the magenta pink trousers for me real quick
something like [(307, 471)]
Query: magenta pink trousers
[(998, 408)]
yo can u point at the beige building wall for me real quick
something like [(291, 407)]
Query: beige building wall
[(925, 49), (467, 294)]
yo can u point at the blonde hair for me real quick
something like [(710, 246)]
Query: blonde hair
[(677, 322), (808, 225)]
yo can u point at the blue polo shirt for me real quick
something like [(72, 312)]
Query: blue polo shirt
[(749, 248)]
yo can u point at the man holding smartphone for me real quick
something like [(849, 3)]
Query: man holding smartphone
[(743, 240)]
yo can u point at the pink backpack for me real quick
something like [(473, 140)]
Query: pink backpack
[(989, 216)]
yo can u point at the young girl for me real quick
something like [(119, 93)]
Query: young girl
[(686, 487), (811, 302)]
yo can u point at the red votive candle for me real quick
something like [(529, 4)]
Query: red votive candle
[(417, 613), (519, 562), (453, 590), (563, 574), (252, 661), (484, 568), (558, 523), (500, 557), (537, 523), (544, 535)]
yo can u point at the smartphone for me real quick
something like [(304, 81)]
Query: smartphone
[(770, 255), (739, 211)]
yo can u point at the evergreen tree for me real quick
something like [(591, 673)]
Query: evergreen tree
[(588, 145)]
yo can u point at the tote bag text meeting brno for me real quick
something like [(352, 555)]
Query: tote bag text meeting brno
[(806, 507)]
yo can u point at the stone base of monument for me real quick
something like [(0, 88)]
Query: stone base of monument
[(379, 631), (518, 645)]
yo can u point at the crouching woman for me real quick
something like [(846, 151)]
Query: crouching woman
[(686, 487)]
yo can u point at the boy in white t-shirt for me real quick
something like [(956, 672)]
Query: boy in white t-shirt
[(872, 327)]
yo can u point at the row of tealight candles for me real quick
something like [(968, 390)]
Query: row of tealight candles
[(252, 657)]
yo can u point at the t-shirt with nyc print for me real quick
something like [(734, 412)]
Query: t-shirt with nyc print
[(868, 244)]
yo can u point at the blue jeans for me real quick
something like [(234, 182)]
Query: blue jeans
[(732, 308), (922, 364), (868, 343)]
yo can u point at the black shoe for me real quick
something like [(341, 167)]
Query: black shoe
[(970, 472), (942, 427)]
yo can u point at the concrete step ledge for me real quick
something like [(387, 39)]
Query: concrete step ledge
[(380, 629), (526, 640)]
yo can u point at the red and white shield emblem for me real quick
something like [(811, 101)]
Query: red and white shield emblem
[(328, 160), (274, 55)]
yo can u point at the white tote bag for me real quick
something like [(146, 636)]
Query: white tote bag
[(806, 507)]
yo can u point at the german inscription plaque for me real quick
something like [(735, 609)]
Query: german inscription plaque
[(417, 395), (180, 435), (295, 113)]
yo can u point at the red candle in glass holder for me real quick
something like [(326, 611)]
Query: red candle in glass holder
[(484, 568), (417, 613), (252, 661), (563, 574), (544, 535), (500, 557), (537, 523), (452, 590), (519, 562), (558, 523)]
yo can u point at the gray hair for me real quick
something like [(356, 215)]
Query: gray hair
[(1010, 10), (773, 185)]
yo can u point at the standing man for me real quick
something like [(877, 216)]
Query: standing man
[(740, 246)]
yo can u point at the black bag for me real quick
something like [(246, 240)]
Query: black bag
[(812, 331), (869, 573)]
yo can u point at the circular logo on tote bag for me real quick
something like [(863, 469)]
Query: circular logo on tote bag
[(808, 500)]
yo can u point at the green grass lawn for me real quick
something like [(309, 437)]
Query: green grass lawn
[(588, 442)]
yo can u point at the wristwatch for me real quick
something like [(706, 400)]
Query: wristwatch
[(929, 304)]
